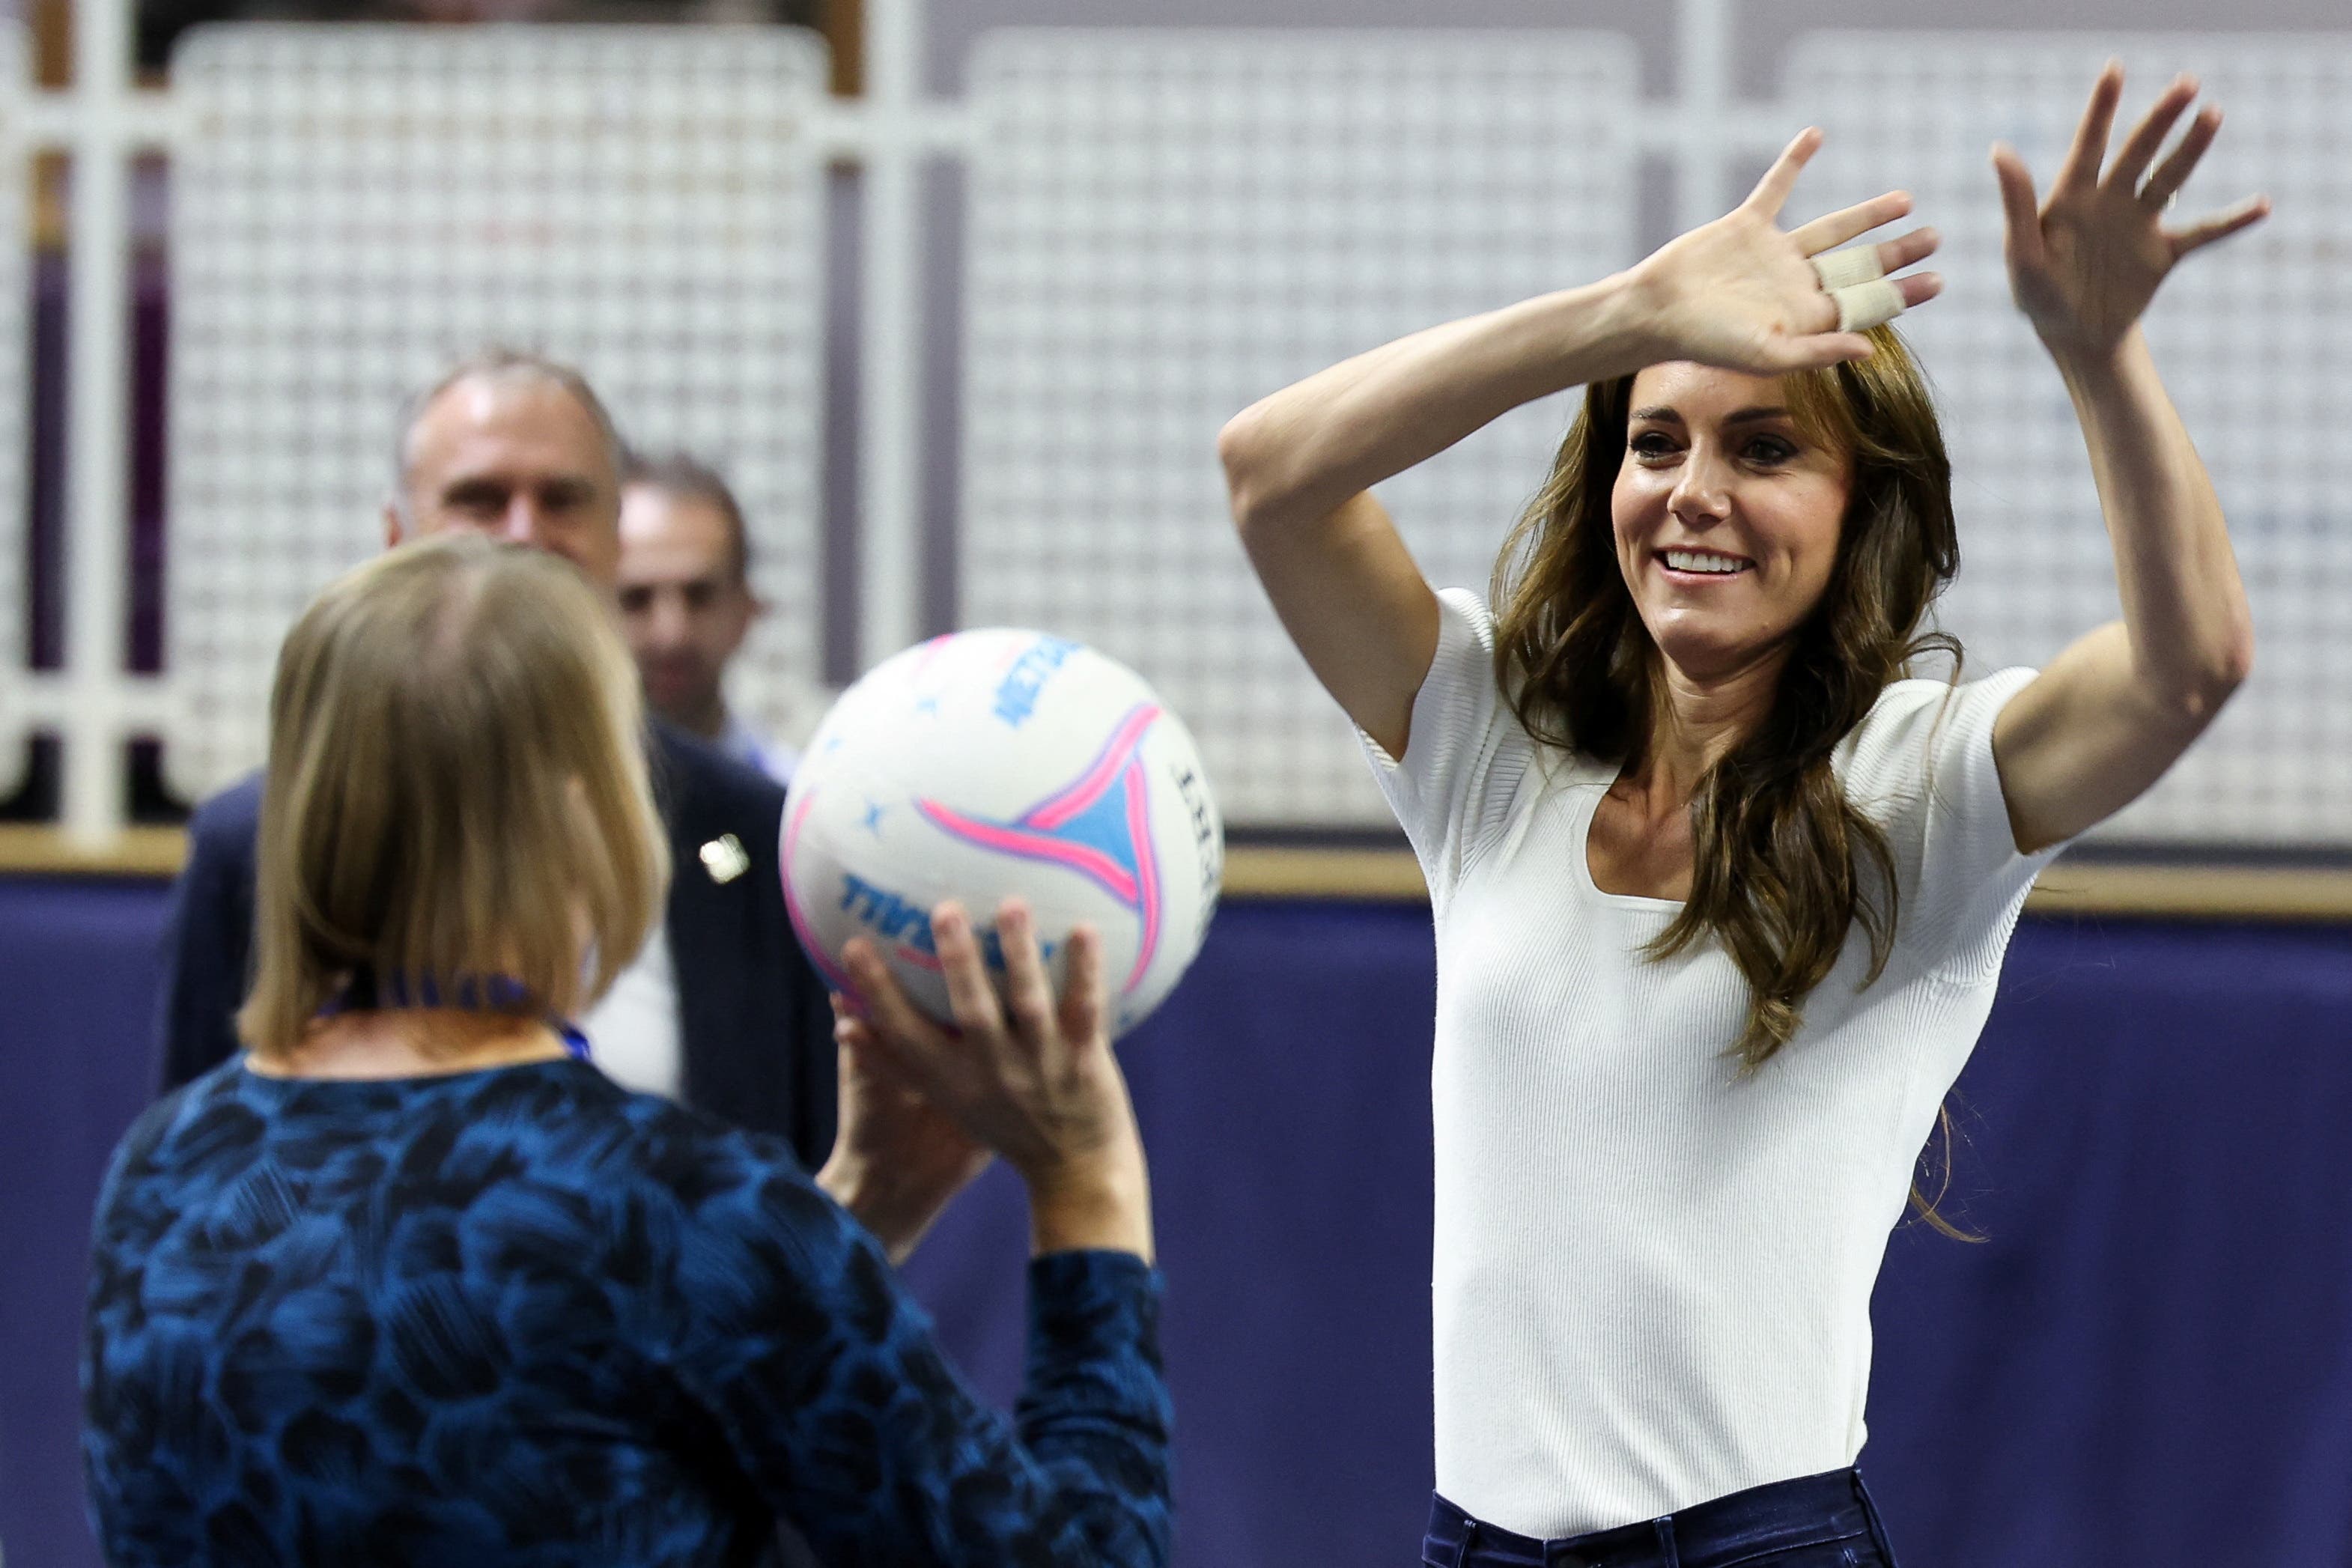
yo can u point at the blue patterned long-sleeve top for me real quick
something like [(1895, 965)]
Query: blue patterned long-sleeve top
[(520, 1316)]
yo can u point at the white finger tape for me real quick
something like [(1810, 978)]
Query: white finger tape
[(1845, 268), (1866, 305)]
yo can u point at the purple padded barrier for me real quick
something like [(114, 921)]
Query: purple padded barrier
[(78, 979), (2150, 1362)]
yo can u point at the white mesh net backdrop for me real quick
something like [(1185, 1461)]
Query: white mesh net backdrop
[(1164, 228), (2253, 336), (356, 207)]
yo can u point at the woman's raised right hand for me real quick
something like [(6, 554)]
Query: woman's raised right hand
[(1741, 292), (1030, 1077)]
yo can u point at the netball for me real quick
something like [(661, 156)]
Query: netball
[(999, 764)]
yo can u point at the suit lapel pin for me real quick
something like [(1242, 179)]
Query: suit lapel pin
[(724, 859)]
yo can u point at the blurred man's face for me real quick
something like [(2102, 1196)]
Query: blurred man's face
[(683, 607), (518, 459)]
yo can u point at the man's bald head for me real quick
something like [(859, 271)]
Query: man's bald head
[(516, 447)]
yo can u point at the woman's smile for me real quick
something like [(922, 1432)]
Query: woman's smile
[(1701, 568)]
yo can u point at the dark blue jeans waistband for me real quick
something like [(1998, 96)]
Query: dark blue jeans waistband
[(1830, 1510)]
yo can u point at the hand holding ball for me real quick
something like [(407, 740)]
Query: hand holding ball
[(995, 764)]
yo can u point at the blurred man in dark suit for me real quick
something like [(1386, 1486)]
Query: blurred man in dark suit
[(687, 602), (720, 1009)]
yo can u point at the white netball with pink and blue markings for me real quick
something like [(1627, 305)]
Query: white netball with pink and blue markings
[(999, 764)]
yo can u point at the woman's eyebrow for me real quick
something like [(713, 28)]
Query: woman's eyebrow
[(1665, 416)]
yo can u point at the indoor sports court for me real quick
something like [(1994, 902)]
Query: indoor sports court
[(958, 297)]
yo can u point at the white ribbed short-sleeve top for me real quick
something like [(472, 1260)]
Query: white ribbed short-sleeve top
[(1652, 1272)]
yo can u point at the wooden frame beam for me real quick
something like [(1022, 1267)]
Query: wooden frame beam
[(2184, 891)]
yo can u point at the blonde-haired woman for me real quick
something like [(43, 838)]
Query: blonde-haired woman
[(408, 1283), (1721, 899)]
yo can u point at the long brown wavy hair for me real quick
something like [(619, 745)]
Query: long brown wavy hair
[(1785, 865)]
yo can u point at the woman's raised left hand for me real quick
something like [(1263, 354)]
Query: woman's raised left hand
[(2084, 264)]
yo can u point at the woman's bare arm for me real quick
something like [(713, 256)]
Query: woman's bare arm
[(1738, 292), (2112, 712)]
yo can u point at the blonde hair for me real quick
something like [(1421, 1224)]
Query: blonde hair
[(457, 792)]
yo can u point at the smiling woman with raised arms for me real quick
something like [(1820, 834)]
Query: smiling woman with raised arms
[(1721, 896)]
